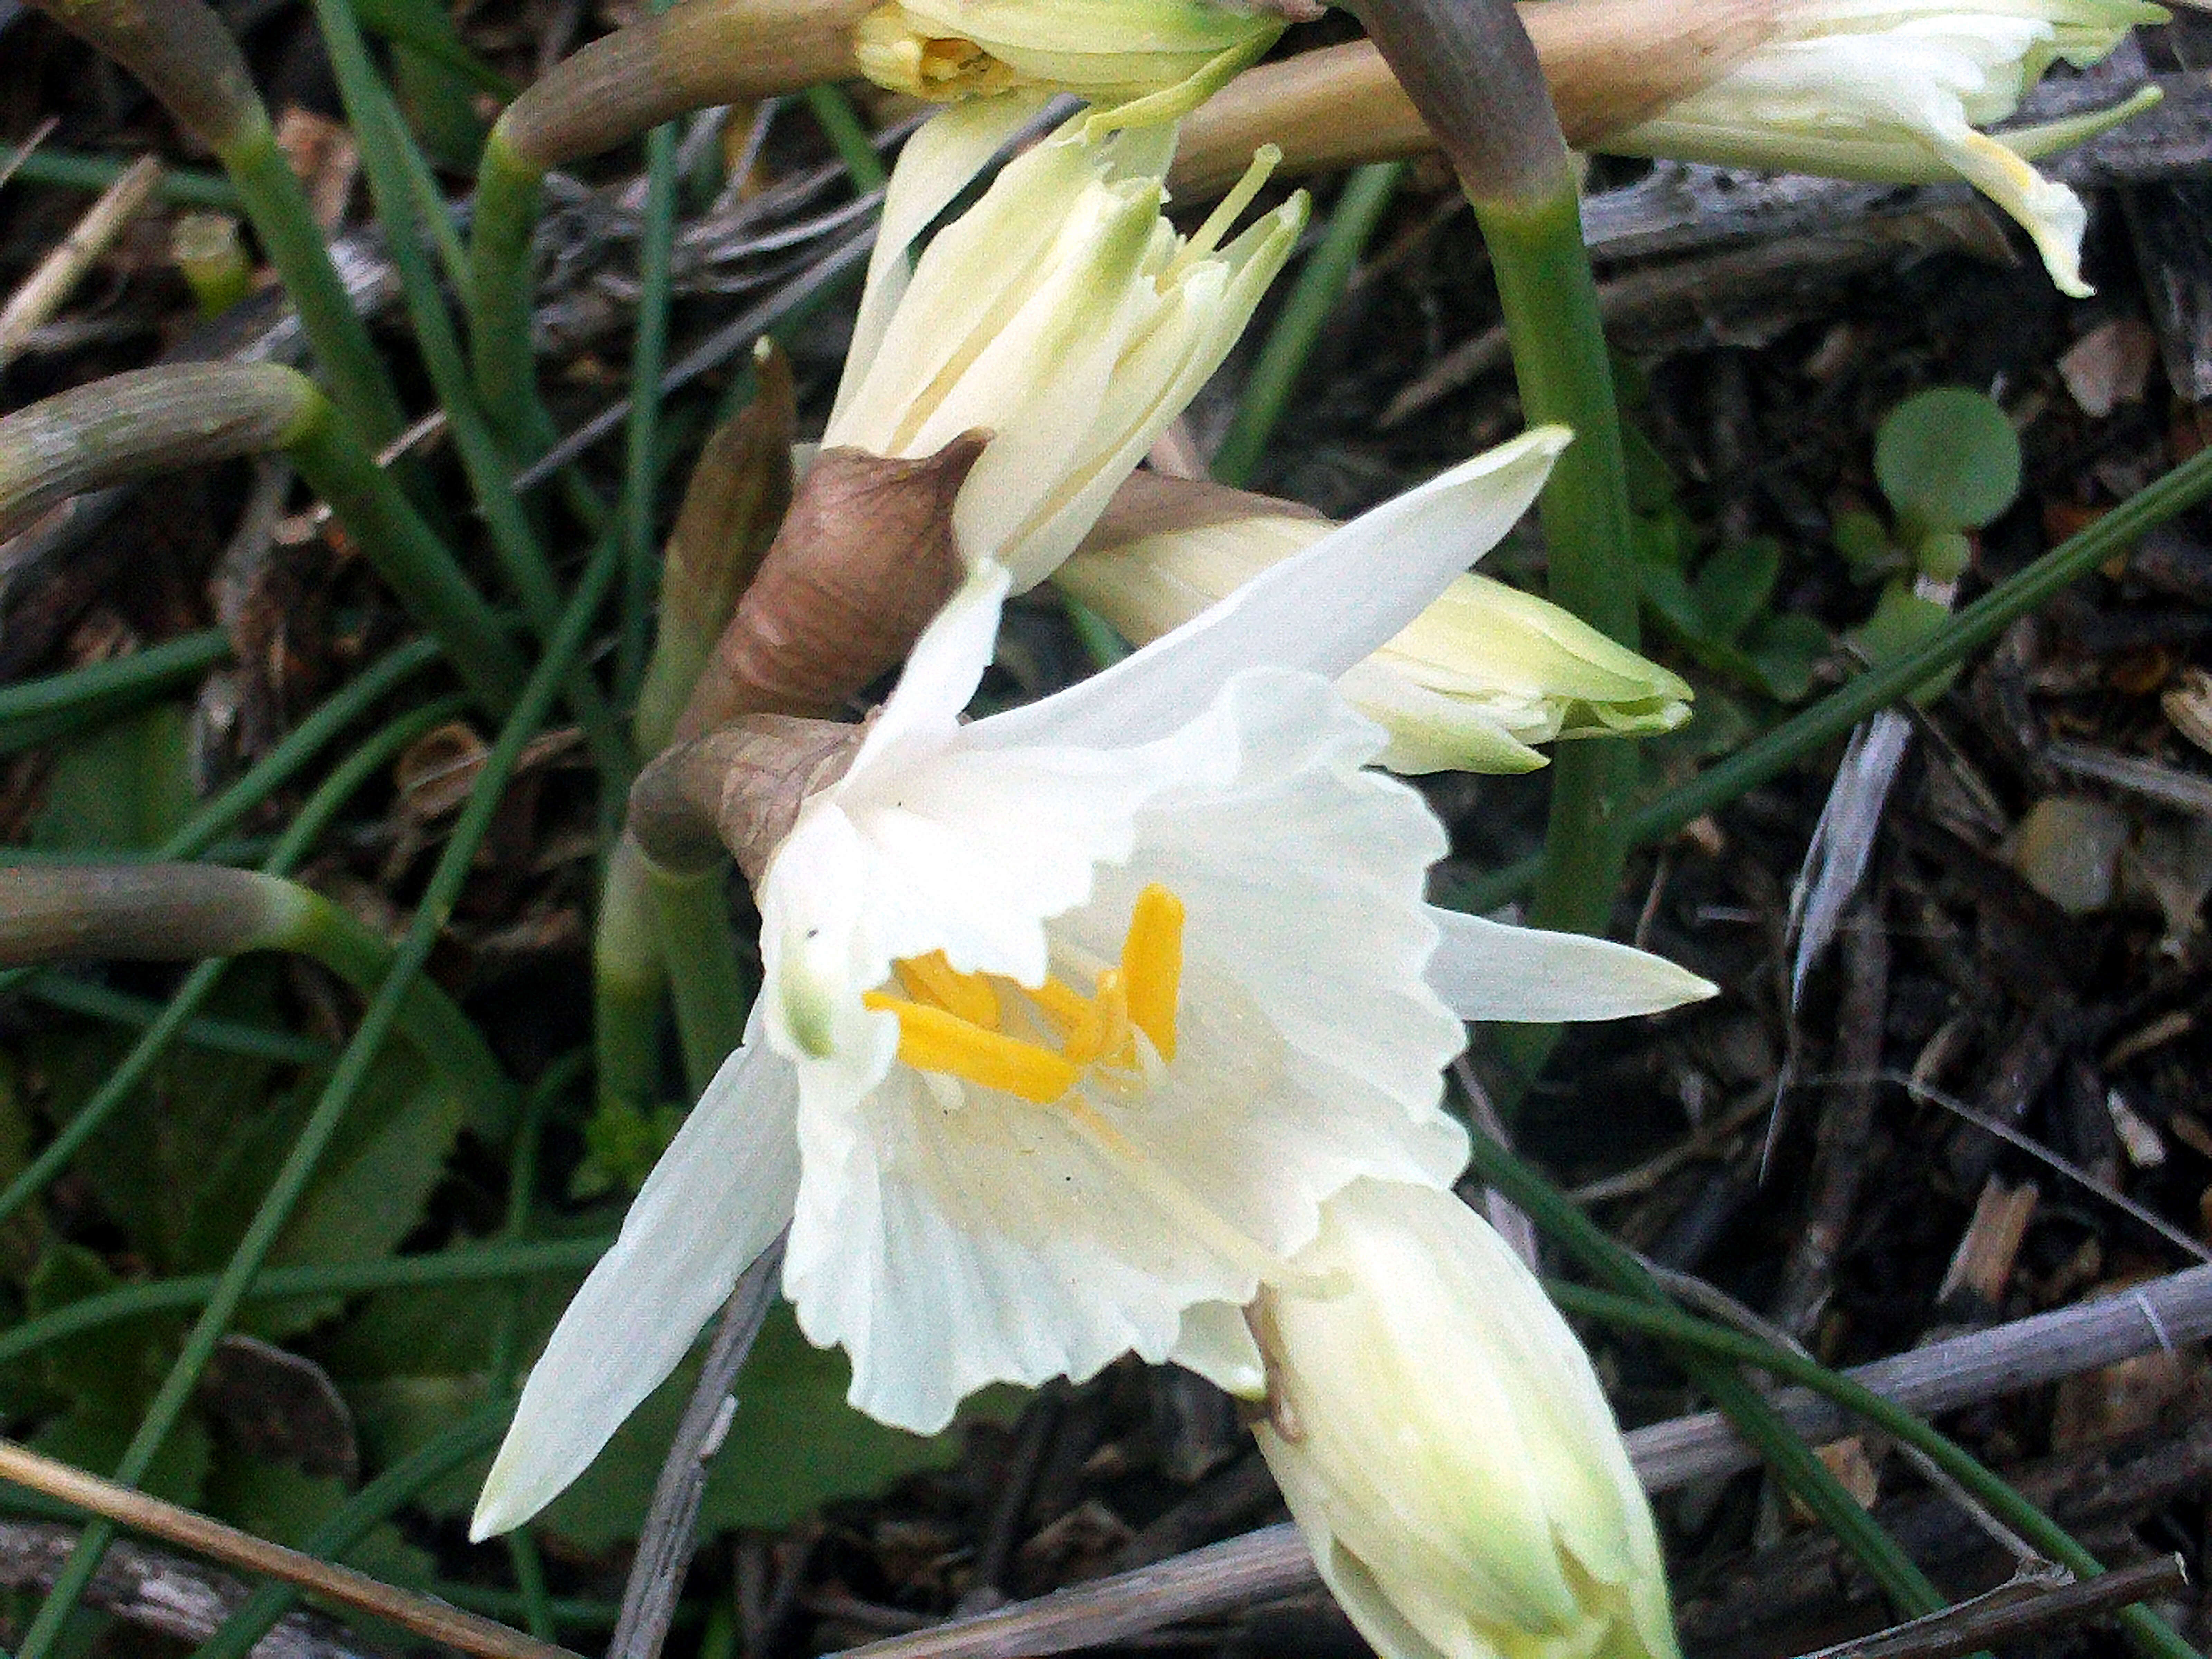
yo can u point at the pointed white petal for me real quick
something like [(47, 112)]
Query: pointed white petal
[(1488, 970), (1217, 1344), (941, 674), (1322, 609), (720, 1193)]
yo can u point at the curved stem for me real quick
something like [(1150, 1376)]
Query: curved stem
[(508, 191)]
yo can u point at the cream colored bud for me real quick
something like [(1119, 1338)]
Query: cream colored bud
[(1152, 59), (1062, 314), (1483, 674), (1445, 1448), (1896, 89)]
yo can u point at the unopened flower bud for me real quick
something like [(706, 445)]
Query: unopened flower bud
[(1483, 674), (1895, 90), (1063, 313), (1445, 1448), (1155, 60)]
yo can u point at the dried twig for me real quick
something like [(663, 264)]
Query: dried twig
[(2027, 1605), (47, 289), (664, 1548), (1273, 1561), (242, 1550)]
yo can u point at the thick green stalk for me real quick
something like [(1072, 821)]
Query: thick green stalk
[(363, 763), (627, 978), (67, 169), (701, 951), (414, 562), (508, 189), (284, 1192), (649, 354), (1359, 207), (2152, 1635), (269, 193), (1835, 714), (1792, 1460)]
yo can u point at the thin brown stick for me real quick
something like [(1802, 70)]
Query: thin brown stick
[(2023, 1607), (1273, 1560), (243, 1551), (47, 289)]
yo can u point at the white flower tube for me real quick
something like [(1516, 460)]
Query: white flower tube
[(1152, 59), (1895, 90), (1073, 1016), (1063, 313), (1445, 1448), (1481, 675)]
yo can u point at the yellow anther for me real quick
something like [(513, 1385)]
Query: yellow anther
[(1151, 965), (1082, 1033), (933, 1040), (932, 978)]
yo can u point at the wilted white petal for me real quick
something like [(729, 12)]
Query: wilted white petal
[(1488, 970), (717, 1198)]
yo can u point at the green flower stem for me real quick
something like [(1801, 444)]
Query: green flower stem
[(67, 169), (840, 122), (2151, 1634), (384, 140), (508, 190), (474, 1265), (292, 1180), (1835, 714), (270, 194), (1792, 1460), (700, 950), (362, 764), (1359, 207), (649, 354), (627, 978), (353, 1520), (436, 75), (414, 562), (39, 711)]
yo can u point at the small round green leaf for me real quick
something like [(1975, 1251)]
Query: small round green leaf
[(1947, 459)]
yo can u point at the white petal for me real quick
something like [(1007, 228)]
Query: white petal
[(941, 674), (1322, 610), (936, 164), (719, 1195), (1488, 970), (1218, 1345)]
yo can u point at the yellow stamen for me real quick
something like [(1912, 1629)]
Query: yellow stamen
[(1082, 1033), (1151, 965), (933, 1040), (932, 978)]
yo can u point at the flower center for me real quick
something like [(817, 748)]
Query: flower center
[(1037, 1042)]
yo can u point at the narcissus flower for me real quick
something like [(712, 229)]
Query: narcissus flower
[(1074, 1015), (1895, 90), (1483, 673), (1445, 1448), (1152, 59), (1062, 313)]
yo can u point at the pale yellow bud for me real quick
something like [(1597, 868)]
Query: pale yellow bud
[(1445, 1448), (1483, 674)]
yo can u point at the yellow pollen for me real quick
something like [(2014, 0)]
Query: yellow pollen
[(933, 1040), (933, 980), (1151, 965), (1082, 1032)]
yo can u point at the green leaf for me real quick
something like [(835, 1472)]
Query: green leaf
[(115, 1367), (126, 785), (1784, 650), (1903, 620), (275, 1501), (1735, 585), (1947, 459), (95, 1438)]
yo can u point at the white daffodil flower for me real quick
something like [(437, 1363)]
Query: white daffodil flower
[(1482, 674), (1072, 1016), (1445, 1448), (1895, 90), (1063, 313), (1151, 60)]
